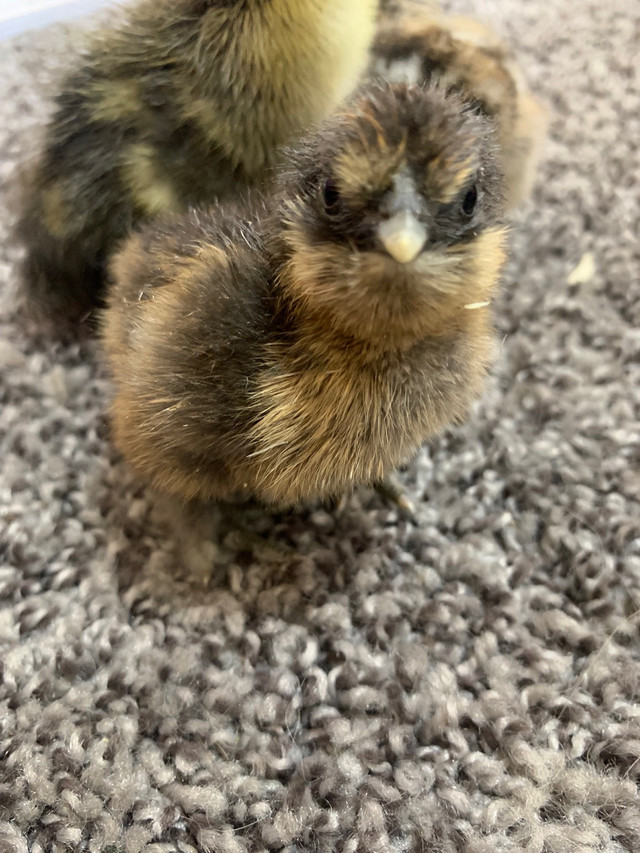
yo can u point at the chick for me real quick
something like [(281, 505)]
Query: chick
[(309, 342), (416, 42), (182, 103)]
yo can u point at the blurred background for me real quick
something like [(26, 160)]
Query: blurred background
[(19, 15)]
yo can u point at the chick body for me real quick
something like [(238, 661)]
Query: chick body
[(416, 42), (280, 350), (182, 103)]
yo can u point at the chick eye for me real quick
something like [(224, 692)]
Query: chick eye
[(469, 202), (330, 196)]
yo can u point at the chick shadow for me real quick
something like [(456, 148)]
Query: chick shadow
[(193, 563)]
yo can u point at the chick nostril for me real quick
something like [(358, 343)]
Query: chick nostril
[(403, 236)]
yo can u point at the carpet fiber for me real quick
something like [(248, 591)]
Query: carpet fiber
[(358, 683)]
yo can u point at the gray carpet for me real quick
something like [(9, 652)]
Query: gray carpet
[(359, 683)]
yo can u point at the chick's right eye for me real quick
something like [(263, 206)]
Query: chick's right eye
[(330, 196), (469, 202)]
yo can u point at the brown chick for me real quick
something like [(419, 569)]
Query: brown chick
[(182, 103), (309, 343), (415, 42)]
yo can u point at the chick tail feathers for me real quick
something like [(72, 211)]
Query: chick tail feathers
[(62, 272), (60, 287)]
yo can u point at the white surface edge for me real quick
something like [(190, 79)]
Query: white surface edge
[(33, 16)]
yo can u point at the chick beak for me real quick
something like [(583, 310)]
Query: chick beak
[(403, 236)]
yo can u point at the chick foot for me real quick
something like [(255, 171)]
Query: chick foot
[(392, 490)]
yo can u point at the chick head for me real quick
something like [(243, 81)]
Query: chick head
[(391, 214)]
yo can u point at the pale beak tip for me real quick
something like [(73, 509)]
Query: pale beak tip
[(403, 236)]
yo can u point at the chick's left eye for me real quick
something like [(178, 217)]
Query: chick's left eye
[(469, 201), (330, 196)]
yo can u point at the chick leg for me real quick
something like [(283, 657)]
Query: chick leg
[(391, 490), (242, 520)]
